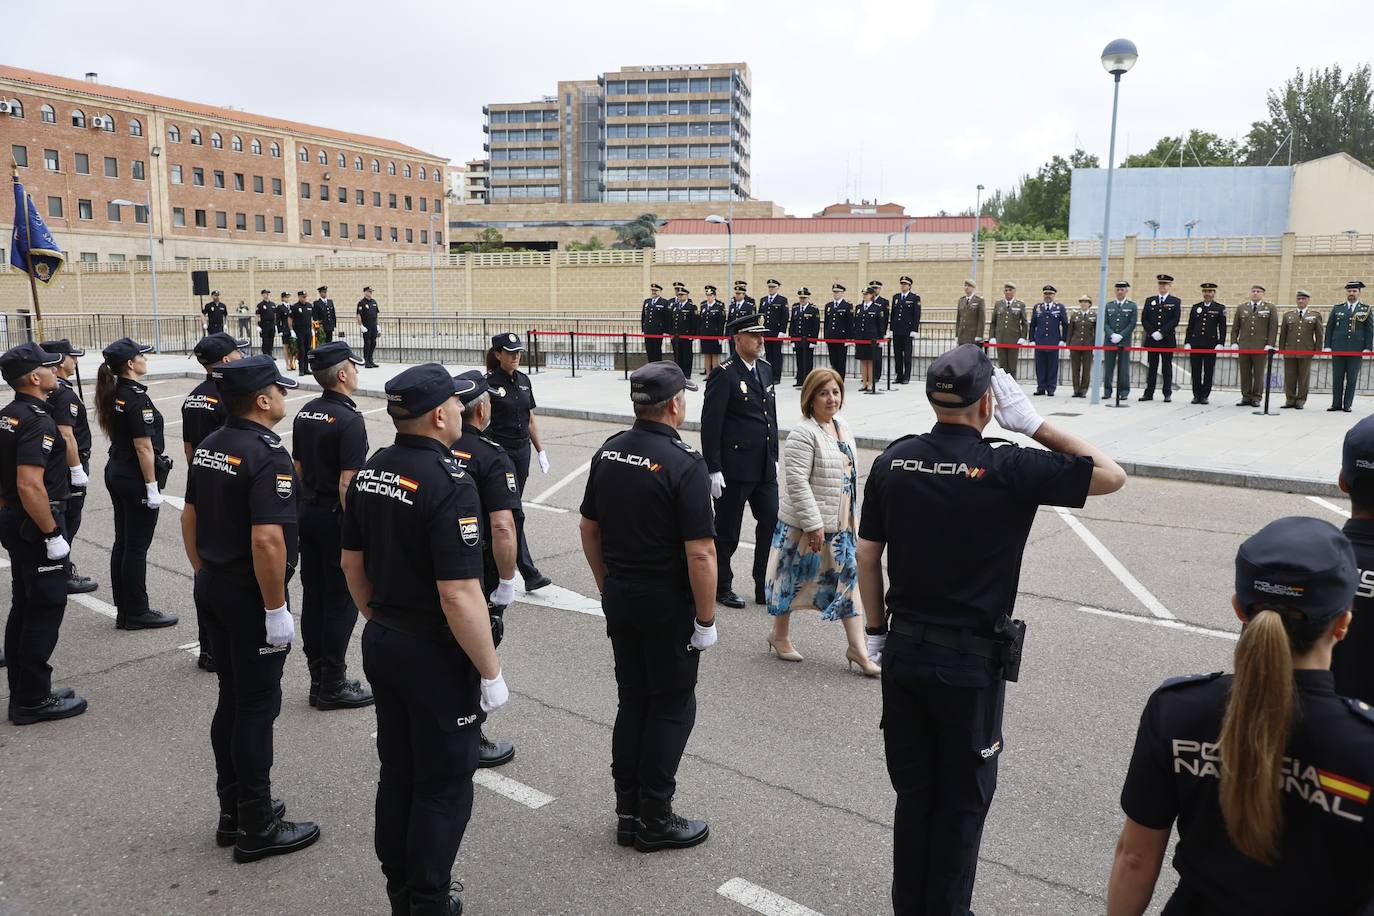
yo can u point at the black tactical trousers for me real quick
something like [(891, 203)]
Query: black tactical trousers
[(802, 355), (1202, 365), (653, 348), (839, 357), (369, 344), (520, 457), (650, 627), (942, 730), (134, 526), (772, 352), (328, 613), (762, 498), (269, 337), (38, 600), (427, 734), (901, 356)]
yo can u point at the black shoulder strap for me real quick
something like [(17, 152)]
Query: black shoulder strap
[(1189, 680), (1361, 710)]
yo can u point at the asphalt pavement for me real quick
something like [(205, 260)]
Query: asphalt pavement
[(114, 811)]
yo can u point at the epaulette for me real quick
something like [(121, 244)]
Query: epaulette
[(491, 442), (901, 439), (450, 465), (727, 364), (38, 408), (687, 447), (998, 442), (1190, 679), (1360, 708), (271, 440), (765, 362)]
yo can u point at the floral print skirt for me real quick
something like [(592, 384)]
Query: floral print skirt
[(800, 577)]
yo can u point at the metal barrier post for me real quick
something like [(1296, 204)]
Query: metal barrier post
[(625, 354), (1116, 382), (887, 356), (1268, 368), (572, 351), (533, 338)]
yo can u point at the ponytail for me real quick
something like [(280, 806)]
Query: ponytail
[(1254, 736), (105, 382), (492, 361)]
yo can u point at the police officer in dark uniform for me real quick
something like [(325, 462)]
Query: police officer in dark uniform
[(34, 484), (838, 327), (322, 310), (906, 324), (949, 607), (302, 328), (1160, 319), (135, 473), (1352, 662), (515, 429), (1204, 335), (329, 445), (870, 326), (740, 305), (683, 324), (266, 311), (69, 413), (367, 320), (654, 320), (710, 323), (648, 537), (490, 468), (201, 414), (739, 437), (775, 314), (805, 328), (1267, 771), (412, 553), (239, 531), (215, 312), (885, 322)]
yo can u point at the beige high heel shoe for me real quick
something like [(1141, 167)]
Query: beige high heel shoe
[(866, 667), (787, 655)]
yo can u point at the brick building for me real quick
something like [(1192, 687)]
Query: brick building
[(222, 183)]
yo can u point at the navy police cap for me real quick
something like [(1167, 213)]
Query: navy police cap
[(215, 347), (470, 385), (1302, 564), (19, 361), (245, 376), (1357, 452), (508, 342), (123, 350), (331, 354), (418, 390), (746, 324), (63, 346), (656, 382), (963, 373)]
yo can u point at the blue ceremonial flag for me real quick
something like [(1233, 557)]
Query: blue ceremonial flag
[(33, 243)]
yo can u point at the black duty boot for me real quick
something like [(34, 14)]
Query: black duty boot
[(314, 681), (660, 828), (228, 828), (148, 620), (78, 584), (336, 692), (451, 907), (262, 833), (52, 707), (206, 661), (493, 753), (626, 817)]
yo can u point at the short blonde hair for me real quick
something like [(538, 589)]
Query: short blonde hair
[(816, 379)]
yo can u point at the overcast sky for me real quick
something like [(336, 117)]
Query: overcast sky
[(912, 101)]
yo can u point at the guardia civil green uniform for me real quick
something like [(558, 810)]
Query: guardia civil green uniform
[(1118, 324)]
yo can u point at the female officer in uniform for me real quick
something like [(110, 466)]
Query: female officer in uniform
[(1267, 771), (133, 475), (513, 428), (711, 322)]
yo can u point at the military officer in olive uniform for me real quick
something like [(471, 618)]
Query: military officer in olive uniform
[(682, 324), (654, 319), (1119, 324), (1301, 329), (906, 324), (267, 321), (775, 314), (969, 316), (1204, 335), (1256, 328), (1160, 322), (1082, 334), (1008, 326), (838, 327), (1049, 327), (1348, 329), (322, 310), (805, 327), (215, 313)]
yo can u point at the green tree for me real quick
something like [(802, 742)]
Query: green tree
[(638, 232), (1197, 147), (1020, 232), (489, 239), (1041, 199), (593, 243), (1327, 111)]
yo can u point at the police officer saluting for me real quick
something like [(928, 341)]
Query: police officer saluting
[(239, 530), (412, 552), (648, 535), (329, 445), (34, 484), (739, 437), (267, 321), (949, 607), (367, 320), (69, 413), (1267, 771), (322, 311)]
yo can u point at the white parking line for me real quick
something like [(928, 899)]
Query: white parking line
[(515, 791), (761, 899), (95, 604), (1152, 604), (562, 599), (1330, 505), (191, 648), (176, 502), (543, 508), (1166, 624), (567, 479)]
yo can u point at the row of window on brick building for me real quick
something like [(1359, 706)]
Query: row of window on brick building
[(196, 137)]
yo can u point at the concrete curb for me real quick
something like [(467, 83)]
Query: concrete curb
[(1303, 486)]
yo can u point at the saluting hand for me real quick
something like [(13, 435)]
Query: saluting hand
[(1011, 407)]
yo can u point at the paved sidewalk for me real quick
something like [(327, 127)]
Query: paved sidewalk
[(1295, 451)]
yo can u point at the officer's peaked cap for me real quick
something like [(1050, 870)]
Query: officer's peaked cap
[(1357, 452), (656, 382), (1300, 563), (746, 324), (123, 350), (63, 346), (470, 385), (508, 342), (248, 375), (964, 372), (1164, 278)]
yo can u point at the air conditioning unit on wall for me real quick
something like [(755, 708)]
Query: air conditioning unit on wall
[(99, 122)]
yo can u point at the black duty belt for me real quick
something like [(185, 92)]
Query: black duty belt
[(320, 499), (961, 639)]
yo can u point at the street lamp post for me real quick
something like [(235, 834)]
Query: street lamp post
[(1153, 226), (729, 250), (152, 262), (1188, 226), (1117, 58), (977, 230)]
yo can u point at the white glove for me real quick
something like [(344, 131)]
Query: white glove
[(1011, 407), (154, 497), (876, 645), (1116, 338), (281, 627), (543, 457), (1187, 346), (1157, 336), (992, 341), (495, 693), (1234, 345), (79, 476), (1062, 344), (717, 484), (702, 637), (504, 593), (1270, 348), (1326, 349), (57, 547), (913, 335), (1022, 340), (979, 340), (1220, 347)]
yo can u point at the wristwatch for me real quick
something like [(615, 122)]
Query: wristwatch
[(880, 630)]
